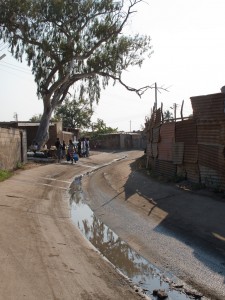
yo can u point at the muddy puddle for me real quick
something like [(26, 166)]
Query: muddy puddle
[(141, 272)]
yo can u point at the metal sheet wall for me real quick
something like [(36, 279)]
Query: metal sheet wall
[(186, 131), (190, 153), (195, 147), (221, 160), (192, 172), (165, 168), (165, 145), (222, 133), (178, 153), (155, 150), (158, 117), (211, 178), (208, 132), (208, 156), (155, 134), (209, 106), (149, 149)]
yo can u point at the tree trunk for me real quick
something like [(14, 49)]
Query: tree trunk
[(42, 134)]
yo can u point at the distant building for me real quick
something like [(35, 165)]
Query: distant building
[(55, 130)]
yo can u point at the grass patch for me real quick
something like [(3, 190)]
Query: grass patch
[(4, 174)]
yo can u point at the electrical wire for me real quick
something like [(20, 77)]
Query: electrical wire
[(13, 67)]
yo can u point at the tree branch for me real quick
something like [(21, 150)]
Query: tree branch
[(139, 91)]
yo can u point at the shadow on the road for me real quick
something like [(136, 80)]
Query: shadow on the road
[(198, 220)]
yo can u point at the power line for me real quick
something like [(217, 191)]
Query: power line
[(16, 74), (3, 48), (13, 67)]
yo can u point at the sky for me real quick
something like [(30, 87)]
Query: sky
[(188, 59)]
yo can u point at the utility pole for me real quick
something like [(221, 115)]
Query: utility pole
[(130, 125), (155, 96), (15, 116), (175, 106), (175, 111)]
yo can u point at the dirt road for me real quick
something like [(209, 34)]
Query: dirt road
[(178, 230), (42, 254)]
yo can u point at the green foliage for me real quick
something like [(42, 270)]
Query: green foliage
[(101, 128), (68, 41), (68, 44), (75, 113), (4, 174), (167, 115), (36, 118), (98, 129), (19, 165)]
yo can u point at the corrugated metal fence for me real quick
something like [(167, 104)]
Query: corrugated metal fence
[(192, 148)]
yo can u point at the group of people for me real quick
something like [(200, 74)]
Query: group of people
[(72, 151)]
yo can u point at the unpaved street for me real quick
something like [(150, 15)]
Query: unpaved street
[(180, 231), (44, 256)]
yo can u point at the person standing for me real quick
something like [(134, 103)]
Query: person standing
[(71, 151), (58, 150), (63, 149), (87, 147), (79, 148)]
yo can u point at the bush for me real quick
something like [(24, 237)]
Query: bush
[(4, 174)]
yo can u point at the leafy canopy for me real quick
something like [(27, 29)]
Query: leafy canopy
[(101, 128), (68, 41), (72, 43), (75, 113), (98, 129), (35, 118)]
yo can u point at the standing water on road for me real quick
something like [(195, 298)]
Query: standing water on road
[(129, 262)]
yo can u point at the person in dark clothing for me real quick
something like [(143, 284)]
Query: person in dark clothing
[(58, 150), (79, 148), (63, 149), (87, 146), (71, 151)]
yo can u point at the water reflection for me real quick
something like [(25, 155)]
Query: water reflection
[(128, 261)]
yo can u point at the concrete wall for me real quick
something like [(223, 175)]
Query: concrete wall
[(123, 141), (13, 148)]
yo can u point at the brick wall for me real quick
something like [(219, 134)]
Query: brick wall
[(13, 147)]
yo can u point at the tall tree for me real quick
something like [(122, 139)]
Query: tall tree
[(75, 113), (100, 127), (167, 115), (36, 118), (72, 42)]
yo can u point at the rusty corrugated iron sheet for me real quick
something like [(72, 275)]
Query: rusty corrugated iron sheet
[(209, 106), (152, 163), (221, 159), (192, 172), (197, 151), (155, 150), (158, 117), (178, 153), (208, 156), (149, 149), (186, 131), (208, 132), (155, 134), (149, 134), (211, 178), (166, 141), (222, 133), (165, 168), (191, 153), (181, 172)]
